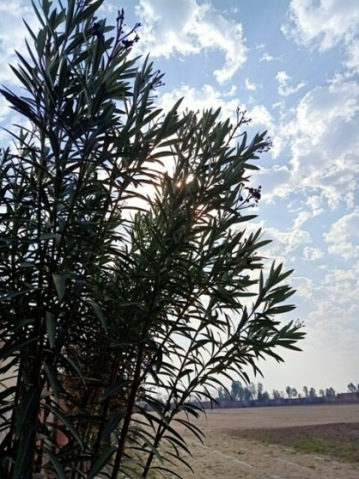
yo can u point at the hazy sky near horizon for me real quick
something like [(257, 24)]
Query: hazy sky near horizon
[(294, 66)]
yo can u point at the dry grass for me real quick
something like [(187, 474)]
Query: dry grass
[(338, 441)]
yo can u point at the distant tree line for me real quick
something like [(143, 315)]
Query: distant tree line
[(240, 392)]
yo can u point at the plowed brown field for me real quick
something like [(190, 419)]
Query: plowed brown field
[(227, 453)]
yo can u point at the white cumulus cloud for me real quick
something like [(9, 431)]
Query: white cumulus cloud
[(266, 57), (12, 34), (250, 85), (284, 88), (343, 236), (312, 253), (286, 242), (200, 99), (323, 24), (323, 140), (188, 28)]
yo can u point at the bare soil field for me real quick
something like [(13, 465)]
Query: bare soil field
[(234, 447)]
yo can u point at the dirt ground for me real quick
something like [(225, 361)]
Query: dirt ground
[(226, 454)]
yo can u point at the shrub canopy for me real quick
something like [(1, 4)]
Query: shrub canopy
[(126, 269)]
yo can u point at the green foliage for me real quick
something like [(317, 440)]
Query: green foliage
[(276, 394), (237, 390), (291, 392), (330, 392), (125, 265), (312, 393), (352, 388)]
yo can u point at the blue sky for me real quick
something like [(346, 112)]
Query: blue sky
[(294, 65)]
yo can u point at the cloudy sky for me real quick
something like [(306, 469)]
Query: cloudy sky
[(294, 65)]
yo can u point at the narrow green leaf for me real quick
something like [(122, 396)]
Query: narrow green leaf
[(115, 388), (8, 349), (101, 462), (60, 472), (99, 313), (51, 328), (112, 424), (24, 455), (51, 374), (66, 422), (28, 406), (60, 284)]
